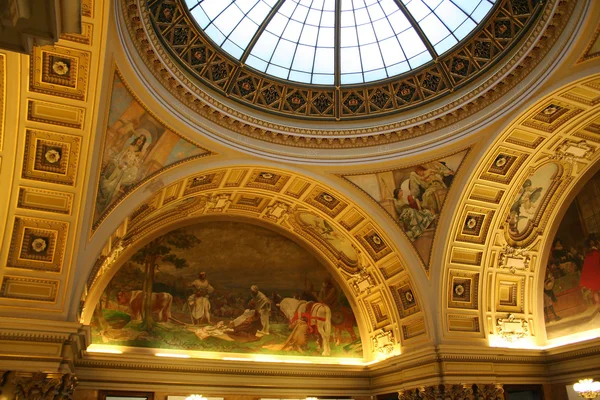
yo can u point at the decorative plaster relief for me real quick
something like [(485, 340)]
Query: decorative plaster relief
[(463, 289), (16, 287), (37, 244), (55, 114), (404, 298), (512, 328), (60, 71), (51, 157), (514, 259), (45, 200)]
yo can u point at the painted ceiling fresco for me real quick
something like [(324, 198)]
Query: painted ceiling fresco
[(413, 196), (136, 147), (572, 278), (227, 287)]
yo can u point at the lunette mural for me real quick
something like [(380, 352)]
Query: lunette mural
[(572, 276), (227, 287)]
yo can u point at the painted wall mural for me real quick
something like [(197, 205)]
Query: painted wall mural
[(413, 196), (332, 239), (531, 200), (136, 146), (227, 287), (572, 276)]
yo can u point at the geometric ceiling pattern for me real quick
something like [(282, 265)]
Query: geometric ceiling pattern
[(487, 252)]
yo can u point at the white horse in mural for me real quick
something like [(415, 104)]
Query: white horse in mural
[(316, 315)]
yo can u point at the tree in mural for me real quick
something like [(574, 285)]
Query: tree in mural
[(160, 250)]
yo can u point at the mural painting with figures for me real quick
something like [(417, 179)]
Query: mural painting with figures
[(526, 207), (572, 276), (136, 146), (227, 287), (413, 196), (331, 238)]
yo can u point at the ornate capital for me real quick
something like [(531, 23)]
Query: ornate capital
[(44, 386), (490, 392), (454, 392)]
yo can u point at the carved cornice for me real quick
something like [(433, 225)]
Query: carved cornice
[(169, 75), (211, 367), (34, 337)]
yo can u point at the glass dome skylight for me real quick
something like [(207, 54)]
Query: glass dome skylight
[(337, 42)]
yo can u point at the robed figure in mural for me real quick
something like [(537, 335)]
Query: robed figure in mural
[(524, 206), (121, 170), (262, 305), (430, 182), (411, 215), (590, 274), (198, 302)]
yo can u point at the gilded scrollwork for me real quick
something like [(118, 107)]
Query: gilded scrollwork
[(514, 258), (512, 328)]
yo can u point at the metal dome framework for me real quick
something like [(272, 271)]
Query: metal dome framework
[(334, 41)]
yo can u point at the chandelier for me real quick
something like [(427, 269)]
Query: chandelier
[(587, 388)]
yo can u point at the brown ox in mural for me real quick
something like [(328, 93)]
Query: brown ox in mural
[(161, 304)]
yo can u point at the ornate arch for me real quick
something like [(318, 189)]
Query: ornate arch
[(376, 281), (494, 268)]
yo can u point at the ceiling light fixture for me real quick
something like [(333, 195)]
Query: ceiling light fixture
[(173, 355), (104, 351), (587, 388), (195, 397)]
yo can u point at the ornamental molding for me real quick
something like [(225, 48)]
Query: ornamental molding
[(573, 150), (556, 14), (384, 342), (28, 336), (514, 258), (512, 328), (202, 367)]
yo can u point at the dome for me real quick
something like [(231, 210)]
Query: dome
[(329, 42), (344, 60)]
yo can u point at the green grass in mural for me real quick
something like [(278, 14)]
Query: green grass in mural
[(174, 336)]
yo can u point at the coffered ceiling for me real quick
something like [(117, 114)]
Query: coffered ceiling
[(69, 224)]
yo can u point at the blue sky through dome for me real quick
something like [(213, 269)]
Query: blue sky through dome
[(296, 39)]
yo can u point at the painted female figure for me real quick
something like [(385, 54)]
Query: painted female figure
[(122, 170), (414, 219)]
